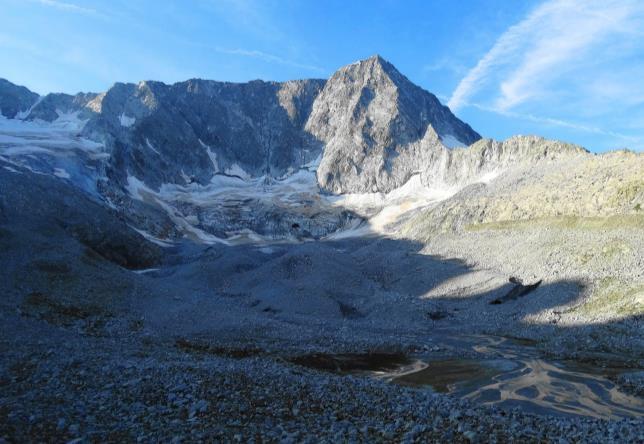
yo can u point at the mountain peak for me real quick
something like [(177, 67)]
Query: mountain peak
[(371, 119), (15, 100), (377, 58), (375, 63)]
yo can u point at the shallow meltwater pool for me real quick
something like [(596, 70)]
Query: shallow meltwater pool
[(505, 373)]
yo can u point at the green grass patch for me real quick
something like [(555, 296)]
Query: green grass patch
[(614, 298), (609, 251), (565, 222)]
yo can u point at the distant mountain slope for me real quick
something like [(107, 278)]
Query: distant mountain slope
[(15, 99), (374, 123), (190, 131), (217, 158), (371, 122)]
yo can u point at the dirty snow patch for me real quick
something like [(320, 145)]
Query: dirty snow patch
[(236, 170), (147, 270), (211, 155), (151, 147), (24, 114), (60, 172), (135, 186), (153, 239), (126, 121), (452, 142)]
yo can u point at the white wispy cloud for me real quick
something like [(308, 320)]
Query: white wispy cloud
[(69, 7), (272, 58), (557, 122), (544, 45)]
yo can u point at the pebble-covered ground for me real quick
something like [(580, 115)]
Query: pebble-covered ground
[(98, 390), (69, 386)]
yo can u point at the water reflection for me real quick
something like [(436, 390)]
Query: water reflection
[(514, 376)]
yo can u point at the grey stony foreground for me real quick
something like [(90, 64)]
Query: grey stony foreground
[(98, 390)]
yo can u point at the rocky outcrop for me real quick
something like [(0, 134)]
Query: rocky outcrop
[(375, 124), (366, 129), (190, 131), (52, 106), (37, 203), (487, 158), (368, 125), (15, 99)]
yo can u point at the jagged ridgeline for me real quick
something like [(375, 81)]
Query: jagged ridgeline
[(151, 148), (372, 127)]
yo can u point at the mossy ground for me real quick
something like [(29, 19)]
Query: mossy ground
[(614, 297), (566, 222)]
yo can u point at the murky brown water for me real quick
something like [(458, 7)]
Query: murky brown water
[(347, 363), (445, 375), (508, 373)]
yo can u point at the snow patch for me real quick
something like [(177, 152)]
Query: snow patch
[(314, 164), (24, 114), (187, 179), (489, 176), (135, 188), (211, 155), (126, 121), (60, 172), (147, 270), (382, 210), (151, 147), (452, 142), (236, 170), (153, 239)]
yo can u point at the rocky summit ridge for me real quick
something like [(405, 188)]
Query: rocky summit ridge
[(367, 129)]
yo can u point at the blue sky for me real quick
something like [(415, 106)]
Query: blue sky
[(564, 69)]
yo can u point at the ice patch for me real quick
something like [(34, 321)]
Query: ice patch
[(212, 156), (153, 239), (236, 170), (24, 114), (452, 142), (151, 147), (382, 210), (489, 176), (60, 138), (138, 190), (314, 164), (59, 172), (126, 121), (69, 121), (147, 270)]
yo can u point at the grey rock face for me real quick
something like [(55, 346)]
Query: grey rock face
[(15, 99), (40, 203), (53, 105), (189, 131), (373, 122), (488, 158), (370, 128)]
